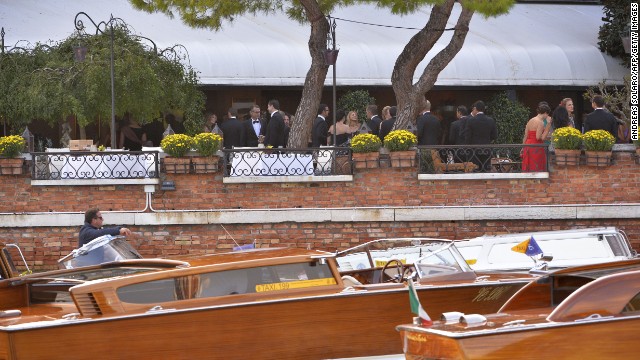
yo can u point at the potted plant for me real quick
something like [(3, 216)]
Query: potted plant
[(566, 142), (10, 147), (365, 150), (177, 146), (598, 145), (207, 144), (399, 143)]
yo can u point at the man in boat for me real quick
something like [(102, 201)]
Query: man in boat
[(92, 227)]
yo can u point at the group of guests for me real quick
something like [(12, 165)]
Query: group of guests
[(539, 128), (271, 130)]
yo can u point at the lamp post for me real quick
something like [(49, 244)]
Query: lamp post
[(80, 53), (330, 58)]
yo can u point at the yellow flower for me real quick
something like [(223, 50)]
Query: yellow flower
[(400, 140), (363, 143)]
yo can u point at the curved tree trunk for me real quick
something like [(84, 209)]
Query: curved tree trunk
[(314, 82), (409, 95)]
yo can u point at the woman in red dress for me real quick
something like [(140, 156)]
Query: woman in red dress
[(537, 129)]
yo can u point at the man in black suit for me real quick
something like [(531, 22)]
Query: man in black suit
[(232, 130), (275, 128), (429, 129), (387, 125), (480, 130), (253, 127), (601, 119), (456, 136), (320, 130), (374, 120)]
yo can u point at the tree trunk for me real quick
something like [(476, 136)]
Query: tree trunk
[(314, 82), (409, 95)]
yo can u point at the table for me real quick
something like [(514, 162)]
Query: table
[(264, 163), (505, 165), (109, 165)]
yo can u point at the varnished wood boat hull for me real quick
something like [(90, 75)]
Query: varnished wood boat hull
[(328, 326), (602, 340)]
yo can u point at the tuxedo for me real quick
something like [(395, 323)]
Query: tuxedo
[(275, 131), (456, 131), (319, 132), (374, 124), (385, 128), (601, 119), (429, 129), (250, 136), (232, 133), (480, 130)]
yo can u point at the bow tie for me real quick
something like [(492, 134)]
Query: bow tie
[(256, 121)]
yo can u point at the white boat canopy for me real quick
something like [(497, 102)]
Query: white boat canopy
[(533, 45)]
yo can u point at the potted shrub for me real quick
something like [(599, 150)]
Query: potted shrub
[(207, 144), (10, 147), (176, 147), (598, 145), (399, 143), (566, 142), (365, 149)]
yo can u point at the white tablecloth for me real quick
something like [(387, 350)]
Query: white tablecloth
[(100, 166), (259, 163)]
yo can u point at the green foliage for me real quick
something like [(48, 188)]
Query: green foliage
[(617, 98), (484, 7), (48, 84), (511, 118), (617, 16), (356, 100), (400, 140), (566, 138), (364, 143), (177, 145), (11, 146), (207, 144), (598, 140)]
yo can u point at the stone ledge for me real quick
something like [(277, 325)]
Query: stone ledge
[(315, 215)]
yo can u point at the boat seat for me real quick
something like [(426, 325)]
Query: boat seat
[(349, 280), (441, 167)]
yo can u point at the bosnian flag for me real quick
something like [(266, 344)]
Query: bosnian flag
[(528, 247), (416, 308)]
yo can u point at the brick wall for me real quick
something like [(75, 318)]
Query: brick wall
[(387, 187)]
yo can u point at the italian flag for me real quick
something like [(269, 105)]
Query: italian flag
[(416, 308)]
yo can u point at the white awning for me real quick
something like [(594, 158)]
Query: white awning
[(533, 45)]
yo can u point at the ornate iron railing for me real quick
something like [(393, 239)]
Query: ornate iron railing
[(483, 158), (94, 165), (323, 161)]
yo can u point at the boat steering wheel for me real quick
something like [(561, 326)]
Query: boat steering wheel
[(396, 278)]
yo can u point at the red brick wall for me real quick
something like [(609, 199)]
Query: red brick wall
[(44, 246), (378, 187)]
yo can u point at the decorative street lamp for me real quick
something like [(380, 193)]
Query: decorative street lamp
[(28, 140), (330, 58), (81, 52)]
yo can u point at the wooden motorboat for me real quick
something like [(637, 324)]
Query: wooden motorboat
[(262, 303), (586, 312), (561, 248)]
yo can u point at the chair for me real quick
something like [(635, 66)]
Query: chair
[(440, 167)]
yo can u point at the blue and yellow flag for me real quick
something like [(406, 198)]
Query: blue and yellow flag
[(528, 247)]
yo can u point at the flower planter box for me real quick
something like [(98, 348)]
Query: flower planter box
[(367, 160), (11, 166), (177, 165), (401, 159), (205, 164), (567, 157), (598, 158)]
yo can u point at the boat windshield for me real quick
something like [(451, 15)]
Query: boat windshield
[(377, 253)]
